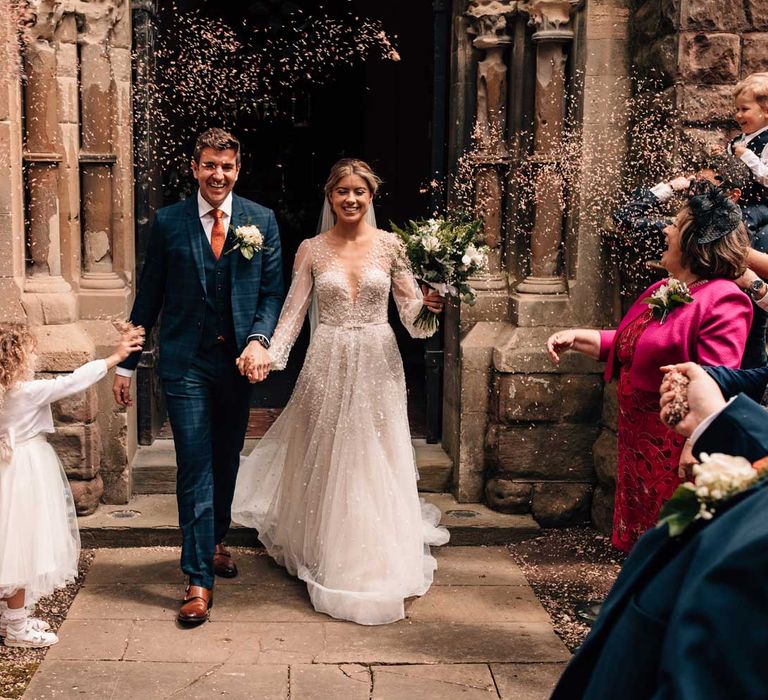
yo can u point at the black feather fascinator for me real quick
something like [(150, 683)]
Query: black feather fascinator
[(714, 214)]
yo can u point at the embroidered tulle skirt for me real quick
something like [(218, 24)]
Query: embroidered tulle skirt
[(39, 539), (332, 486)]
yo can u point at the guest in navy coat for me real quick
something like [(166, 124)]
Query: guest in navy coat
[(688, 616)]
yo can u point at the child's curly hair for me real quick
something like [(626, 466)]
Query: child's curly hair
[(16, 346)]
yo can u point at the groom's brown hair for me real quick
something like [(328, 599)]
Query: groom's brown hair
[(219, 140)]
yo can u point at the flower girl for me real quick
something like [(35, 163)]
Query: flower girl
[(39, 540)]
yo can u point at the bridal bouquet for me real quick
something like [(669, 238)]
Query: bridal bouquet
[(444, 253)]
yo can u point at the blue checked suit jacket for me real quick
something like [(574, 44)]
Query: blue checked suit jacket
[(173, 279)]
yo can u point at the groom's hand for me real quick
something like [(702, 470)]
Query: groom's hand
[(254, 362), (121, 390)]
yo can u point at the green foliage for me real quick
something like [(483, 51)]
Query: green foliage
[(679, 511)]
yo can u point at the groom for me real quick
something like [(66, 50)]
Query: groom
[(219, 311)]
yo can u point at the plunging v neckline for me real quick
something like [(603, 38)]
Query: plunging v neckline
[(351, 285)]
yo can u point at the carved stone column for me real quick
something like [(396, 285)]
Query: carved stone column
[(96, 160), (42, 155), (489, 26), (552, 20)]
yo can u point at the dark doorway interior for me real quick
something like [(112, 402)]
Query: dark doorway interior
[(379, 110)]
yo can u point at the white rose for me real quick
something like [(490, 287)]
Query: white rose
[(250, 235), (431, 243)]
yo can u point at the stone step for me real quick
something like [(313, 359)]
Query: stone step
[(154, 467), (152, 521)]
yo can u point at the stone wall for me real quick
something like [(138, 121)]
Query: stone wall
[(698, 50), (66, 213), (521, 430)]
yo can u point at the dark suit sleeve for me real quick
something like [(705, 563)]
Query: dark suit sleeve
[(272, 290), (751, 382), (741, 430), (149, 296), (716, 639)]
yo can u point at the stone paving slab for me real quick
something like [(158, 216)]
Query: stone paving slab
[(526, 681), (150, 681), (477, 604), (478, 633), (320, 682), (161, 565), (464, 681)]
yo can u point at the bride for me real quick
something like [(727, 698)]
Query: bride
[(331, 487)]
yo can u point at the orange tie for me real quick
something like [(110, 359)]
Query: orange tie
[(218, 234)]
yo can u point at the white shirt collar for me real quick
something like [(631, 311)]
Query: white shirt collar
[(204, 208), (746, 138)]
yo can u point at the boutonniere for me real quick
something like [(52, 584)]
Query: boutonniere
[(248, 240), (716, 480), (668, 297)]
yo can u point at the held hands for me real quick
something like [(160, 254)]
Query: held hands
[(254, 363), (703, 396), (558, 343), (432, 299)]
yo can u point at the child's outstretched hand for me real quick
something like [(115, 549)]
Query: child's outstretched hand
[(132, 340)]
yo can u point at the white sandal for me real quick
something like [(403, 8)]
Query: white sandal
[(31, 638), (36, 622)]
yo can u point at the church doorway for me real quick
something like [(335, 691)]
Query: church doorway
[(380, 110)]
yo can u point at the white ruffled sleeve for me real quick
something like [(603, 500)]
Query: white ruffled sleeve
[(405, 289), (294, 309)]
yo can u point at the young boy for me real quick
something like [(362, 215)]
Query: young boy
[(751, 146)]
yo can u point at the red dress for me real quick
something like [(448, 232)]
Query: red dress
[(648, 451)]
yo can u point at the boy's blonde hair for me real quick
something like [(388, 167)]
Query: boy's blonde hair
[(16, 347), (756, 85)]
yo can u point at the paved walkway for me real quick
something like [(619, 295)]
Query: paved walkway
[(478, 633)]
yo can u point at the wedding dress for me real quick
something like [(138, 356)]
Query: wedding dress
[(331, 487)]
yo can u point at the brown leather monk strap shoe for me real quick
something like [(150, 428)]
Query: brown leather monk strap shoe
[(197, 602), (223, 564)]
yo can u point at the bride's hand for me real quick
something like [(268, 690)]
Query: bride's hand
[(432, 300)]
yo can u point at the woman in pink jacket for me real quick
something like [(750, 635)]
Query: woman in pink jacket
[(698, 314)]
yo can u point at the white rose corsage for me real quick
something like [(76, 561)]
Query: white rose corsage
[(716, 479), (248, 240), (668, 297)]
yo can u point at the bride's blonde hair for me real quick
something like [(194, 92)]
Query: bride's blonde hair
[(351, 166)]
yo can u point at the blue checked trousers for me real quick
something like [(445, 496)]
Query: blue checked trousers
[(208, 410)]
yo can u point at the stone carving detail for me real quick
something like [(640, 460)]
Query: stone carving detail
[(489, 27)]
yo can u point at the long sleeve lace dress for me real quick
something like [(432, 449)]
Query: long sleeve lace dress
[(331, 488)]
